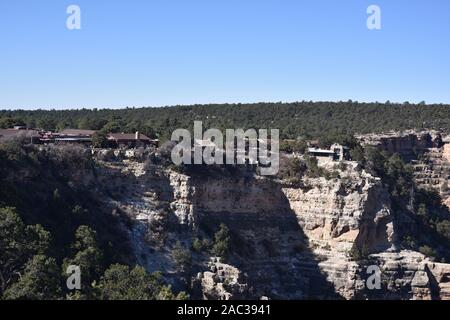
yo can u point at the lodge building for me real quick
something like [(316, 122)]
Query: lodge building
[(336, 153), (130, 140)]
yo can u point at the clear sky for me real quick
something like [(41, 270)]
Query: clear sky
[(166, 52)]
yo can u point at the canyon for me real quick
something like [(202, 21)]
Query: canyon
[(287, 241)]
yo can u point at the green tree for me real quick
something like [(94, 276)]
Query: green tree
[(298, 146), (99, 140), (39, 281), (18, 244), (357, 154), (182, 257), (7, 122), (85, 238), (197, 245), (427, 251), (359, 253), (221, 244), (296, 167), (121, 283), (443, 228), (314, 171), (422, 210), (88, 257), (113, 126)]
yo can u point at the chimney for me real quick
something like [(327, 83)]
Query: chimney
[(138, 135)]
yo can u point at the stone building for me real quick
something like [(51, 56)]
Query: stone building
[(336, 153)]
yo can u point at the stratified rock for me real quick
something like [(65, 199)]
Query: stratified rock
[(287, 242)]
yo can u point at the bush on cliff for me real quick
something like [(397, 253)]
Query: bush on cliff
[(182, 257), (122, 283), (359, 253), (221, 244)]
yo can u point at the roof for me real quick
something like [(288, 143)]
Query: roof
[(127, 136), (77, 132), (315, 150), (337, 145), (73, 139)]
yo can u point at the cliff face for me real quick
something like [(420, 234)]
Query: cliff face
[(407, 143), (409, 275), (428, 153), (338, 214), (286, 242), (432, 171)]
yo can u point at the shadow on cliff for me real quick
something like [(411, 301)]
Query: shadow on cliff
[(150, 234), (267, 243)]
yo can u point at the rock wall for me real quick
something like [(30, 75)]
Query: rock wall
[(407, 143), (286, 242), (409, 275), (428, 152), (338, 214), (432, 171)]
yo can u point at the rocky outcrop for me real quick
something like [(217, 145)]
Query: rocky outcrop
[(407, 143), (287, 242), (339, 214), (428, 152), (432, 171), (222, 282), (410, 275)]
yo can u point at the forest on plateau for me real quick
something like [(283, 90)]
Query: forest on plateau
[(299, 119)]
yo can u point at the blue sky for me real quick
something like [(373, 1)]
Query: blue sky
[(167, 52)]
